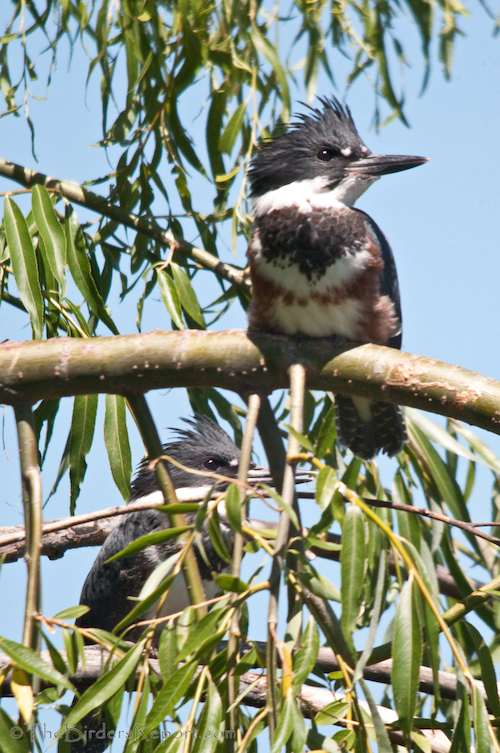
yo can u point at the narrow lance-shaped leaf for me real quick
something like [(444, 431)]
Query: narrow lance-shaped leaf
[(106, 687), (407, 654), (487, 667), (187, 296), (285, 725), (266, 49), (23, 693), (170, 693), (24, 264), (10, 741), (117, 444), (80, 270), (231, 131), (170, 298), (52, 233), (209, 722), (481, 723), (306, 656), (461, 740), (233, 507), (446, 484), (299, 733), (32, 663), (80, 442), (352, 561)]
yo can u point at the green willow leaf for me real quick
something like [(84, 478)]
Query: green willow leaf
[(151, 539), (106, 687), (461, 740), (230, 583), (148, 601), (352, 561), (299, 733), (305, 658), (487, 668), (31, 662), (407, 654), (325, 486), (81, 272), (71, 650), (408, 524), (445, 482), (233, 128), (332, 712), (201, 633), (383, 742), (279, 500), (9, 740), (117, 444), (209, 722), (438, 434), (481, 724), (284, 729), (24, 264), (80, 441), (54, 240), (170, 298), (266, 49), (326, 434), (187, 296), (213, 130), (55, 656), (233, 507), (71, 613), (304, 441), (170, 694)]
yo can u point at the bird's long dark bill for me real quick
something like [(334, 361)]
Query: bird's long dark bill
[(262, 474), (382, 164)]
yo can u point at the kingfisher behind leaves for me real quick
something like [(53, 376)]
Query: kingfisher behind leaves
[(321, 268)]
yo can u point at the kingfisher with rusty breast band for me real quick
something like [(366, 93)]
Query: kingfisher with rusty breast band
[(321, 268)]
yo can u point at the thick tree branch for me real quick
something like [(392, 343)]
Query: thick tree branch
[(326, 661), (93, 529), (242, 361), (312, 699), (76, 193)]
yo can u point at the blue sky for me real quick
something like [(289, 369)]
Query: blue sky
[(442, 221)]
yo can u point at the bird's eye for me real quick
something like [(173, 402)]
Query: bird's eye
[(212, 464), (326, 154)]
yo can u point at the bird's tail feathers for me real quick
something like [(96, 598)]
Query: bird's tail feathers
[(366, 427)]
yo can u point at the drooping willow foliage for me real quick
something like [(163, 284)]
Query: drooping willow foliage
[(400, 609)]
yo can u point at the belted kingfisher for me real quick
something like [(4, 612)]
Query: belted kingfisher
[(204, 446), (318, 266)]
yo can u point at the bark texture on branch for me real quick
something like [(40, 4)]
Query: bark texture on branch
[(243, 362), (312, 699), (93, 529), (380, 672)]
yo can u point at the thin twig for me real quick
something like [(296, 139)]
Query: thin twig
[(238, 543), (152, 442), (297, 374), (78, 531), (425, 513), (85, 198)]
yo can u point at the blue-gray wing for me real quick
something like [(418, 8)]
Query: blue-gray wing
[(388, 278)]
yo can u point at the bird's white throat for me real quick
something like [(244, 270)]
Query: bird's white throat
[(314, 193)]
